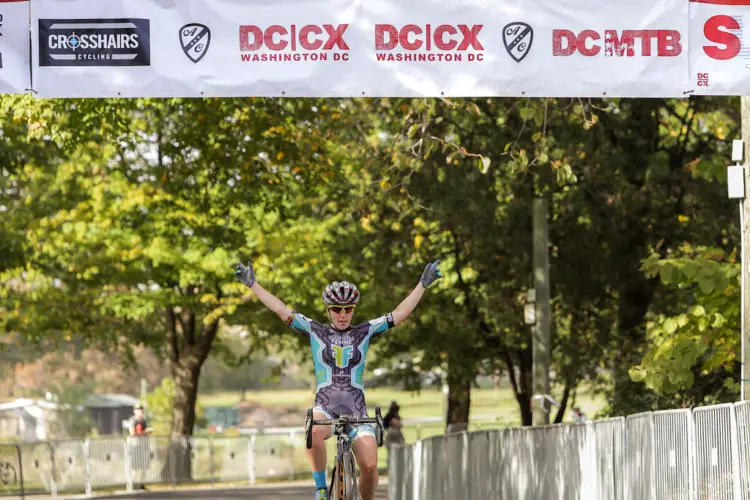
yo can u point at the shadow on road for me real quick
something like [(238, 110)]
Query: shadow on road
[(287, 492)]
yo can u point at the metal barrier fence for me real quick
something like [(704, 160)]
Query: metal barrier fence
[(699, 454), (11, 470), (83, 466)]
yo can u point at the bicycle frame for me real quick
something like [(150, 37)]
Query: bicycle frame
[(343, 446)]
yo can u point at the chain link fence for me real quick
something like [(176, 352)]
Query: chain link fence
[(699, 454)]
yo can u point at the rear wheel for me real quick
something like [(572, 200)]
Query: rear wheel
[(308, 428)]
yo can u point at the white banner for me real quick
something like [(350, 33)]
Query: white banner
[(719, 47), (15, 73), (344, 48)]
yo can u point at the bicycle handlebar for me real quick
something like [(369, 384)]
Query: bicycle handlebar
[(345, 420), (340, 423)]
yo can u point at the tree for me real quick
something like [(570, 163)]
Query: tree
[(138, 229), (693, 353), (649, 183), (138, 209), (439, 198)]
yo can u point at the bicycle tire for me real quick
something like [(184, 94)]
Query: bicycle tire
[(379, 431), (334, 493), (350, 478), (309, 428)]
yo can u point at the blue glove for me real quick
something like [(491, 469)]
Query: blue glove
[(245, 274), (430, 274)]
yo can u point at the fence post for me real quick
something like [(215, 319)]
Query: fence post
[(128, 464), (626, 459), (86, 468), (417, 468), (734, 442), (692, 452), (251, 459), (211, 458), (590, 475), (652, 493), (20, 470), (465, 460), (52, 482), (291, 465), (393, 480), (172, 457)]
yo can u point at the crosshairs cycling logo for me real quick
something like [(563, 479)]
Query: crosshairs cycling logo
[(194, 40)]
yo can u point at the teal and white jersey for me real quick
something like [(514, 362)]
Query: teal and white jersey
[(339, 358)]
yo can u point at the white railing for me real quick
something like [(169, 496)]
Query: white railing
[(665, 455), (676, 454), (83, 466)]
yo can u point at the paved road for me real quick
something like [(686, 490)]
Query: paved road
[(295, 491)]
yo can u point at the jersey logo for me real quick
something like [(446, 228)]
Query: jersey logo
[(342, 355)]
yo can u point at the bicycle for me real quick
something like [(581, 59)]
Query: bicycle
[(343, 484)]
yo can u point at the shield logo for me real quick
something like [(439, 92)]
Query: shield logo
[(518, 38), (194, 40)]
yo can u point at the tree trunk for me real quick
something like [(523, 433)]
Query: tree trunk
[(183, 416), (188, 350), (526, 366), (563, 405), (459, 395), (636, 293), (521, 381), (186, 375), (524, 404), (635, 290)]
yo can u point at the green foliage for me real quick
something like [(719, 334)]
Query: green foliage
[(125, 217), (704, 338), (141, 217)]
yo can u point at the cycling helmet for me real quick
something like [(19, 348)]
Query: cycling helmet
[(341, 293)]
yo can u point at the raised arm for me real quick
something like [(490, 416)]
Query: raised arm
[(247, 276), (430, 274)]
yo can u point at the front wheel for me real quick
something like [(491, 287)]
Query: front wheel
[(349, 477), (379, 428), (336, 491)]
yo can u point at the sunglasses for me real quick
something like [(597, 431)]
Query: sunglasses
[(341, 309)]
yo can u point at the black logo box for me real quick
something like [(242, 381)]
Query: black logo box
[(111, 56)]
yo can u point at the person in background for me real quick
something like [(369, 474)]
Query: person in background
[(392, 412), (139, 425), (140, 450), (392, 426), (578, 415)]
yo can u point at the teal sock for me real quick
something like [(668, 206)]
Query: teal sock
[(320, 479)]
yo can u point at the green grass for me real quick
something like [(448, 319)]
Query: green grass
[(487, 405)]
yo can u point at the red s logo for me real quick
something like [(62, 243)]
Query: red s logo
[(713, 33)]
